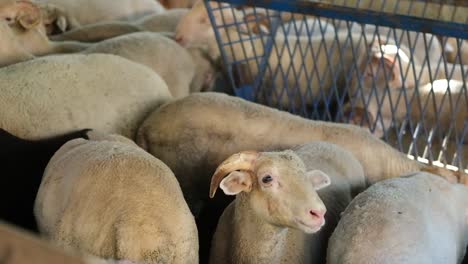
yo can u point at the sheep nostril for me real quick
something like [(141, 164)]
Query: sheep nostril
[(316, 214), (179, 39)]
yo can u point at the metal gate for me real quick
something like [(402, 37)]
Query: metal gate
[(394, 66)]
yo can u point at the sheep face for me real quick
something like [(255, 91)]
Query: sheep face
[(279, 190), (194, 28), (384, 67)]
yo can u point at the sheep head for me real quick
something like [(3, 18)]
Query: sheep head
[(383, 67), (194, 28), (278, 187), (56, 20), (25, 13)]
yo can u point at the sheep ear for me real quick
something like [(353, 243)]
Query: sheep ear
[(236, 182), (319, 179), (61, 24), (29, 14), (358, 116)]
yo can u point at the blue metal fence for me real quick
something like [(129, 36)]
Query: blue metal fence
[(397, 68)]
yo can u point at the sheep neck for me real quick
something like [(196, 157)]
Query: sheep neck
[(252, 233)]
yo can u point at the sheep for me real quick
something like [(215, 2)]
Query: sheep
[(23, 163), (111, 199), (18, 246), (390, 67), (318, 56), (162, 22), (150, 49), (11, 51), (173, 63), (263, 128), (260, 23), (56, 20), (421, 43), (28, 32), (56, 94), (453, 47), (105, 10), (194, 134), (449, 111), (275, 196), (418, 218)]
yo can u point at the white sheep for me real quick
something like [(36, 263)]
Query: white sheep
[(56, 94), (111, 199), (419, 218), (162, 22), (385, 94), (93, 11), (424, 45), (452, 47), (277, 216)]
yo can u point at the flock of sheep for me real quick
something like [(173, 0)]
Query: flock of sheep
[(113, 147)]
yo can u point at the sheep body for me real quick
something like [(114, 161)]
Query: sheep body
[(183, 70), (105, 10), (18, 246), (235, 242), (415, 219), (161, 22), (55, 94), (164, 56), (226, 124), (114, 200)]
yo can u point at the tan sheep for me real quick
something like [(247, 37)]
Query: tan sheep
[(94, 11), (276, 216), (183, 70), (162, 22), (112, 199), (19, 247), (172, 62), (11, 51), (56, 94), (194, 134), (419, 218), (224, 124)]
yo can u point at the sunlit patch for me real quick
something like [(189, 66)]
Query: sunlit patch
[(391, 49)]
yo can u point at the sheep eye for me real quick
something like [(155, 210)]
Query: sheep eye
[(267, 179)]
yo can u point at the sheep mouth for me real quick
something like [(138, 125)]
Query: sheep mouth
[(309, 227)]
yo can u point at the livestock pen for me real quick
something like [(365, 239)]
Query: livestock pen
[(397, 67)]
